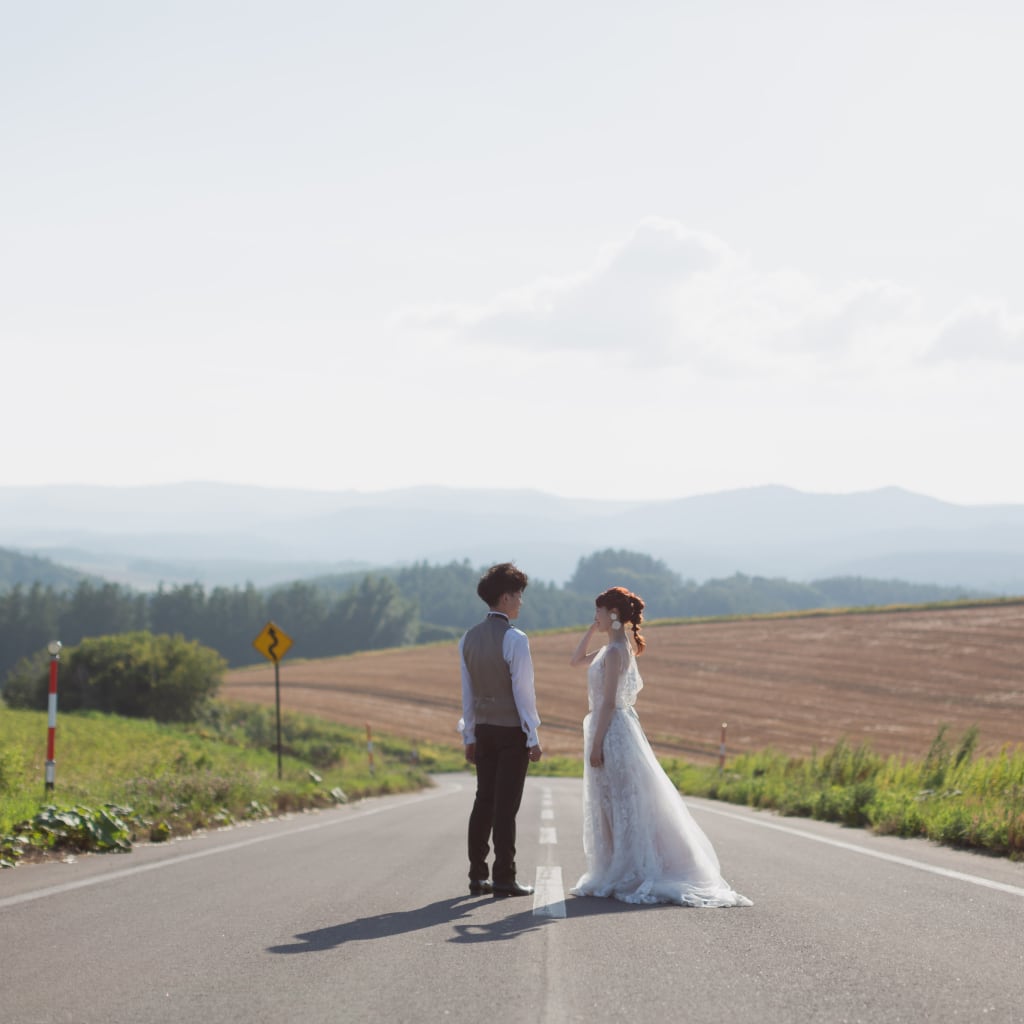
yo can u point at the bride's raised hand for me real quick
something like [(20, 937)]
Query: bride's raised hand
[(580, 655)]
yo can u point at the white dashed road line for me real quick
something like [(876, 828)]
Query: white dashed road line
[(548, 893)]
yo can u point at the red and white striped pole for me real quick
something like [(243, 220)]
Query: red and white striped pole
[(51, 732), (721, 749)]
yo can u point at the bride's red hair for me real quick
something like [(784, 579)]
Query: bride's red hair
[(630, 609)]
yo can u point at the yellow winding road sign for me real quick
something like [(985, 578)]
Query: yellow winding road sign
[(273, 642)]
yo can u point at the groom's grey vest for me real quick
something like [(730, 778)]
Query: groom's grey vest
[(490, 678)]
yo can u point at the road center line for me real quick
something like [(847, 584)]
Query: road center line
[(548, 894), (892, 858)]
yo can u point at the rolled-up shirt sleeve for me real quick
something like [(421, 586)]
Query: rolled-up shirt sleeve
[(515, 649), (467, 723)]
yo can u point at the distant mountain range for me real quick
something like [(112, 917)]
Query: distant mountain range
[(226, 534)]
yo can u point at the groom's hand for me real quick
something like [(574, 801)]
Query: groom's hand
[(471, 753), (536, 753)]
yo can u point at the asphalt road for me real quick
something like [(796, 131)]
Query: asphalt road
[(362, 914)]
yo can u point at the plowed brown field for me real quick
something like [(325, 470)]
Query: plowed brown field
[(796, 683)]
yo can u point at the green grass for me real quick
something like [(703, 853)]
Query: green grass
[(164, 780), (950, 796)]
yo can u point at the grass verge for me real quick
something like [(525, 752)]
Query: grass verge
[(121, 780), (950, 797)]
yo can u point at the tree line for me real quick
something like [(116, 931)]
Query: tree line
[(420, 603)]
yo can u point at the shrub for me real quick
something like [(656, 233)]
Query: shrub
[(138, 675)]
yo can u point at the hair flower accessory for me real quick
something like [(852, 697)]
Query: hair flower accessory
[(615, 620)]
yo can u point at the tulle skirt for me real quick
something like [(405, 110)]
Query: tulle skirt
[(641, 842)]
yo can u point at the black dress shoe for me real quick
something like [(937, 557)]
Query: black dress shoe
[(512, 889), (479, 886)]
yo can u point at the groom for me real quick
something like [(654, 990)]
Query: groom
[(499, 728)]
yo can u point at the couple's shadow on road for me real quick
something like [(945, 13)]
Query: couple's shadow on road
[(455, 911)]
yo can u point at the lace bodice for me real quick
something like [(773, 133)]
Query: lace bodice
[(629, 683)]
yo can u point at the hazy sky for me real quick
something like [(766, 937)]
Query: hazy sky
[(644, 249)]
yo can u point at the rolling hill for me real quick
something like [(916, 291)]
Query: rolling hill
[(17, 568)]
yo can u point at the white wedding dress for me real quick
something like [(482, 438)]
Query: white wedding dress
[(642, 843)]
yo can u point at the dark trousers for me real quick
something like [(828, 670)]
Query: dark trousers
[(502, 759)]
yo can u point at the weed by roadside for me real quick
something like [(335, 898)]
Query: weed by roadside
[(123, 780), (949, 796)]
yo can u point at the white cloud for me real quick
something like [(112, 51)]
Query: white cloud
[(624, 304), (980, 332), (671, 296)]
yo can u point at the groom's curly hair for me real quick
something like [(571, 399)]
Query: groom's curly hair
[(630, 609), (503, 578)]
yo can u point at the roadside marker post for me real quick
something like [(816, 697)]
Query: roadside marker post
[(51, 708), (369, 747), (721, 749), (274, 643)]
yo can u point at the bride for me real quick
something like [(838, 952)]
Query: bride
[(642, 843)]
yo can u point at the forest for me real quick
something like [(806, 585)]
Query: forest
[(419, 603)]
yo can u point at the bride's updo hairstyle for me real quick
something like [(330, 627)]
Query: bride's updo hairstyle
[(630, 609)]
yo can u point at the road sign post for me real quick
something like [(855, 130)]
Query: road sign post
[(274, 643)]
